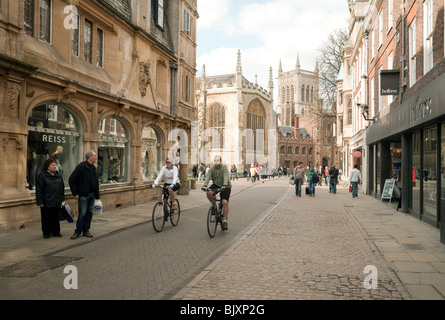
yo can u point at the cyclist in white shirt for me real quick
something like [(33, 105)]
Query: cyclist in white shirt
[(171, 178)]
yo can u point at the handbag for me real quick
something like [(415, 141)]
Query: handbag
[(69, 213), (98, 208), (62, 215), (292, 180)]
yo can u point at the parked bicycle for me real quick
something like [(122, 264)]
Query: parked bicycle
[(163, 210), (214, 215)]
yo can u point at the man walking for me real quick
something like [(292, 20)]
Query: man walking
[(333, 176), (355, 178), (299, 173), (84, 185)]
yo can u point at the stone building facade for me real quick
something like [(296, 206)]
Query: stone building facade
[(305, 134), (114, 76), (236, 120)]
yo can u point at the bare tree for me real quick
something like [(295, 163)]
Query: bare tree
[(330, 61)]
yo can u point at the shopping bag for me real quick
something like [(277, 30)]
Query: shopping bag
[(97, 209), (69, 213), (350, 188), (292, 180)]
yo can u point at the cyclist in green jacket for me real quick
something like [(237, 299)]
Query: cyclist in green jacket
[(219, 174)]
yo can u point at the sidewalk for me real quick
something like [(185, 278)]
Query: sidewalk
[(29, 243)]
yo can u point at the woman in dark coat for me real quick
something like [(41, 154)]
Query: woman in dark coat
[(50, 193)]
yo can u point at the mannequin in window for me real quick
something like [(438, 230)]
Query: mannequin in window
[(38, 151), (56, 156)]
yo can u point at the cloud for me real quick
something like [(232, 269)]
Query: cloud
[(265, 32)]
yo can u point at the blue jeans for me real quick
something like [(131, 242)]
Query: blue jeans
[(311, 187), (298, 183), (86, 205), (333, 185), (354, 189)]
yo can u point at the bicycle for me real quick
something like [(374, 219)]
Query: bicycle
[(162, 211), (214, 215)]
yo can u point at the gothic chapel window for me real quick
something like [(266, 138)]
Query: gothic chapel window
[(217, 121)]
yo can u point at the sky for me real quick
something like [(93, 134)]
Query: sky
[(266, 32)]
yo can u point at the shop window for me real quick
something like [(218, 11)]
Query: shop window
[(430, 172), (442, 169), (416, 173), (112, 156), (151, 154), (53, 131)]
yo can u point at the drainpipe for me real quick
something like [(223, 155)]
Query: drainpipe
[(403, 57)]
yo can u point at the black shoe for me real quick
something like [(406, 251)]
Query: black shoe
[(57, 235), (46, 236)]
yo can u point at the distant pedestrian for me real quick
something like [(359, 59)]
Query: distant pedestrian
[(195, 171), (355, 178), (299, 173), (326, 175), (312, 180), (333, 176), (84, 185), (50, 192)]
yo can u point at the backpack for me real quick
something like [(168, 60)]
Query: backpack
[(315, 178)]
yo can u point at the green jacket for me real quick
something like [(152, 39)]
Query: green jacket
[(219, 176)]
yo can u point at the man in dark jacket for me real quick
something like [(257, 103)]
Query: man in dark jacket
[(333, 176), (84, 185)]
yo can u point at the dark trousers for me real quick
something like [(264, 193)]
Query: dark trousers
[(50, 221)]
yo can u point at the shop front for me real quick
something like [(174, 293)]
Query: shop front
[(408, 145)]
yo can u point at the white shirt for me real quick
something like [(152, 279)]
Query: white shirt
[(170, 176), (355, 175)]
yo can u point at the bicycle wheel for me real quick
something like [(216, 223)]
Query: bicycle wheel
[(212, 222), (158, 217), (174, 216)]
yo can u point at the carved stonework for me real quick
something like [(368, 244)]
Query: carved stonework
[(12, 100), (144, 77)]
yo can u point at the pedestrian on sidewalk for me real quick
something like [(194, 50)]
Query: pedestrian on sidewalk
[(333, 176), (355, 177), (84, 185), (50, 193), (312, 180), (299, 173)]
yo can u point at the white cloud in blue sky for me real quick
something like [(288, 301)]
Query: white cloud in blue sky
[(265, 31)]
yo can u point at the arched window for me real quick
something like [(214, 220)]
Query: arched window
[(292, 94), (289, 150), (216, 116), (307, 94), (54, 131), (151, 153), (112, 155), (282, 150), (302, 93), (297, 150), (303, 151), (256, 122), (287, 95), (312, 94), (310, 151)]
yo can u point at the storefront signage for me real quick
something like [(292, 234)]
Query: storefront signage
[(420, 110), (356, 154), (388, 189), (389, 82), (53, 138)]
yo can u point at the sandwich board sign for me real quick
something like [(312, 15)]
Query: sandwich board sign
[(388, 189)]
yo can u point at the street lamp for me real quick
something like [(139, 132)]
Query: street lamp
[(365, 112)]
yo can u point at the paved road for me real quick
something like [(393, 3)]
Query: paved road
[(138, 263)]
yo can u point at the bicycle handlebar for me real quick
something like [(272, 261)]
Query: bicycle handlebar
[(215, 191)]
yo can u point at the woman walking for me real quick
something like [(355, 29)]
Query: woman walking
[(50, 192)]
